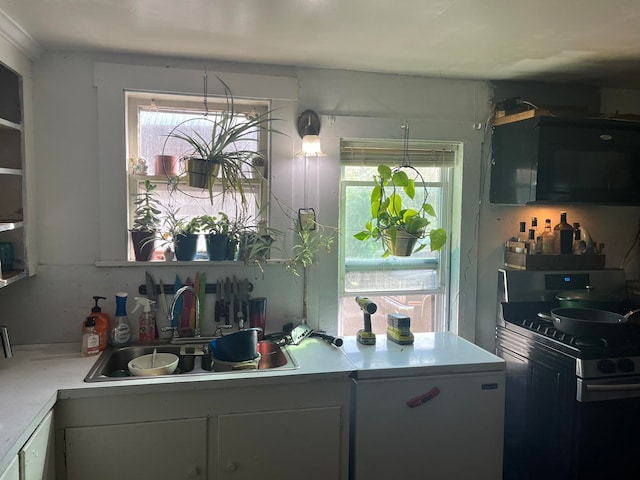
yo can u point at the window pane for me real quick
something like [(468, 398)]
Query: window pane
[(421, 309), (382, 280)]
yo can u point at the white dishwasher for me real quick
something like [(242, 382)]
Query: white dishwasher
[(434, 409)]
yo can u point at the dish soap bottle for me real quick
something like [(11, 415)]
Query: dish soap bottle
[(146, 322), (120, 334), (90, 338), (102, 321)]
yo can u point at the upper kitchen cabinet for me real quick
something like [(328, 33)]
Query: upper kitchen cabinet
[(13, 230)]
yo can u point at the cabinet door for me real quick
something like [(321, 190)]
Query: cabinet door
[(37, 456), (285, 444), (12, 472), (171, 450), (457, 434)]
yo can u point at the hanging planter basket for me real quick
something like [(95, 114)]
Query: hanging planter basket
[(402, 245), (201, 173)]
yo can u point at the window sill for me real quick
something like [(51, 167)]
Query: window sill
[(175, 263)]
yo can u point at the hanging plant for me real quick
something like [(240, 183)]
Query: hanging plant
[(400, 229)]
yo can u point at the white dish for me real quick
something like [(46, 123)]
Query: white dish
[(163, 364)]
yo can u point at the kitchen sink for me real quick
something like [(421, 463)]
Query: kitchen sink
[(111, 365)]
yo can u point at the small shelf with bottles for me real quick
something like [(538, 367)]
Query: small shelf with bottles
[(516, 256)]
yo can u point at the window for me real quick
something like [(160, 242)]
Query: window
[(416, 286), (151, 118)]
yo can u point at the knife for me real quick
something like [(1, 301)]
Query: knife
[(177, 307), (186, 306), (232, 316), (202, 295), (192, 309), (151, 295)]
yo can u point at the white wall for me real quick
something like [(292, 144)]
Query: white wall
[(50, 306)]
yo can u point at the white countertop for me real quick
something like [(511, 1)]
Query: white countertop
[(38, 375)]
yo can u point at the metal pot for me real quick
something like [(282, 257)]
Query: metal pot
[(589, 298), (588, 322)]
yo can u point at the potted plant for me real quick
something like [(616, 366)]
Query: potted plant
[(182, 234), (217, 156), (146, 222), (400, 229), (216, 231)]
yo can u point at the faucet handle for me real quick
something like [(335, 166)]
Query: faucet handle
[(6, 344), (175, 331)]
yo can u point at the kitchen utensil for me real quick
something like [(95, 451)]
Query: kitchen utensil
[(177, 307), (151, 295), (590, 298), (165, 305), (258, 314), (202, 294), (298, 334), (146, 365), (187, 300), (238, 346), (331, 340), (588, 322)]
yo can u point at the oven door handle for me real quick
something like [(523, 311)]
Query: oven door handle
[(621, 387)]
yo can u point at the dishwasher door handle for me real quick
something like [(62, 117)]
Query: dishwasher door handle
[(425, 397), (620, 387)]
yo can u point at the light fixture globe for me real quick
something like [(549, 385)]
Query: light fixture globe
[(309, 130)]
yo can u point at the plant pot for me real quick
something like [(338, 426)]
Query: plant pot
[(402, 246), (232, 248), (143, 245), (201, 172), (255, 247), (186, 246), (217, 246), (166, 165)]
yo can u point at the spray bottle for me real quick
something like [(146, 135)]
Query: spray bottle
[(102, 323), (120, 334), (146, 320)]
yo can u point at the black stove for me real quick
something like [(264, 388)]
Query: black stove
[(573, 401)]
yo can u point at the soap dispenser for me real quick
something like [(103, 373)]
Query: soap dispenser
[(146, 321), (120, 333), (102, 321)]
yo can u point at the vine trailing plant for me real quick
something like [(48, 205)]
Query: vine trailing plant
[(390, 220)]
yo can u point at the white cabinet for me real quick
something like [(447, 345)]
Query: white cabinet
[(456, 433), (172, 450), (208, 430), (280, 444), (13, 241), (12, 472)]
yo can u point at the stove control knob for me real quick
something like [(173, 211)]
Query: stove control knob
[(626, 365), (606, 366)]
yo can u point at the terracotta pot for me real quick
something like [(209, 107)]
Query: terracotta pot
[(166, 165)]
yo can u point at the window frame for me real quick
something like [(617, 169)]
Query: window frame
[(374, 152)]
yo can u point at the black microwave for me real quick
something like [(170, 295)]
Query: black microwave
[(553, 160)]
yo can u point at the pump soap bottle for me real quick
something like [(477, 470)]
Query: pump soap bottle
[(146, 320), (102, 321), (120, 334), (90, 338)]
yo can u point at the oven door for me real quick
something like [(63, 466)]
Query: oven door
[(606, 435), (608, 389)]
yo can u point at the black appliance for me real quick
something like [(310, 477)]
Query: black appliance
[(572, 407), (551, 160)]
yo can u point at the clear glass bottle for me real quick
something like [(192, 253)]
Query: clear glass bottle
[(537, 234), (532, 248), (579, 245), (522, 233), (563, 236), (547, 238)]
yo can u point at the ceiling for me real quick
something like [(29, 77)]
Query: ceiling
[(586, 41)]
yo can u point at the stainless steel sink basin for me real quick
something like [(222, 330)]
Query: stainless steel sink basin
[(111, 365)]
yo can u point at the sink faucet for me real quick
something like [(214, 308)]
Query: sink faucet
[(176, 328), (6, 344)]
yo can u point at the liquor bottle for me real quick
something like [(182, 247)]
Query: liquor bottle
[(579, 245), (563, 236), (532, 248), (547, 238), (522, 233), (537, 234)]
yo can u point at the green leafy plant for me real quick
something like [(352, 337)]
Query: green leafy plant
[(391, 220), (220, 225), (147, 212), (309, 243), (225, 161)]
